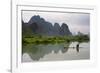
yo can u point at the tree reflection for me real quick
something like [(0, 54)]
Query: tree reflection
[(39, 51)]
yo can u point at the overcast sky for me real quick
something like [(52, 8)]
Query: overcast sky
[(75, 21)]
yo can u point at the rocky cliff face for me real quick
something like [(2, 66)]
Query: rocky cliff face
[(57, 29), (39, 26), (64, 30)]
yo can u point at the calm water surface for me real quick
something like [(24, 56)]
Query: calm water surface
[(54, 52)]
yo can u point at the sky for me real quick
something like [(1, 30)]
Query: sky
[(77, 22)]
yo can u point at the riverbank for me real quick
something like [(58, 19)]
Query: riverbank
[(53, 39)]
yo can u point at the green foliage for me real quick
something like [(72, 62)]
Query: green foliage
[(38, 39)]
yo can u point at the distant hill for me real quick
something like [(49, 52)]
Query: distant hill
[(38, 25)]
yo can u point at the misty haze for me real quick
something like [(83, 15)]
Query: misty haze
[(52, 36)]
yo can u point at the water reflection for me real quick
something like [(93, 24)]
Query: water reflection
[(36, 52)]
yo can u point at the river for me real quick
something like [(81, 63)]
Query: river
[(55, 52)]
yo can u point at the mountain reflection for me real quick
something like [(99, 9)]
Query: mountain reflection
[(40, 50)]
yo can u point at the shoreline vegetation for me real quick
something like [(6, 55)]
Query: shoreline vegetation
[(40, 31), (39, 39)]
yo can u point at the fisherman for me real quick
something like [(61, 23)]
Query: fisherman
[(77, 47)]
